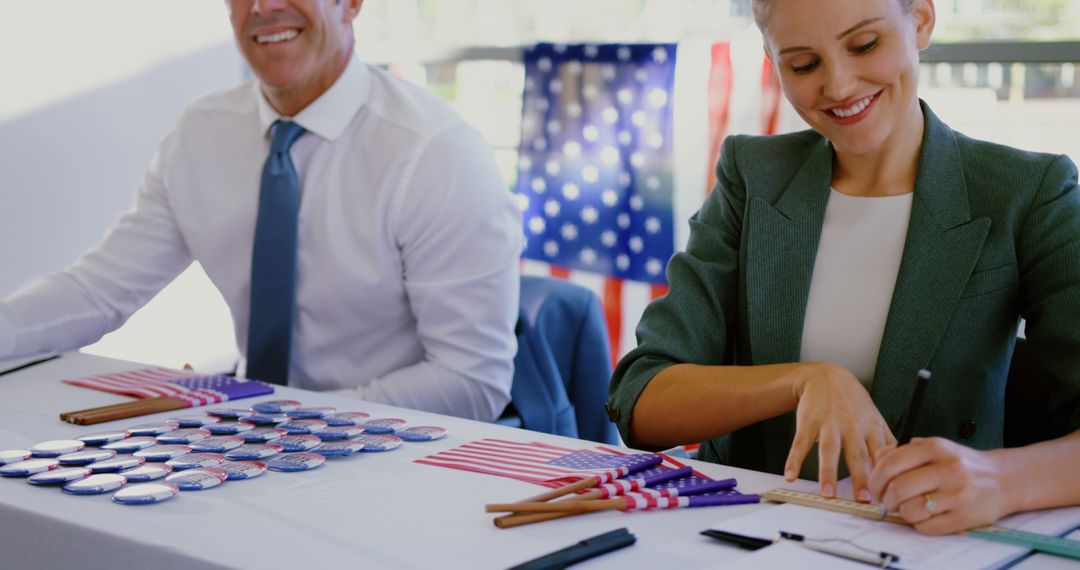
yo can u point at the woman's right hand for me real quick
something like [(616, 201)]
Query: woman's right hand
[(835, 411)]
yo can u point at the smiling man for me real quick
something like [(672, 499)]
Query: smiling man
[(357, 228)]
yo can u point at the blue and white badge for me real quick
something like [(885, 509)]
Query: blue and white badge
[(153, 429), (378, 442), (338, 448), (229, 413), (239, 470), (86, 457), (276, 406), (266, 419), (101, 438), (290, 462), (117, 464), (195, 420), (253, 451), (147, 494), (131, 444), (28, 467), (311, 412), (183, 436), (56, 447), (342, 419), (295, 443), (262, 435), (198, 479), (339, 433), (59, 476), (14, 456), (384, 425), (217, 444), (159, 453), (95, 484), (230, 428), (421, 433), (294, 427), (196, 461), (148, 472)]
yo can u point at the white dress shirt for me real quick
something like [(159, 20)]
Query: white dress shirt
[(407, 286)]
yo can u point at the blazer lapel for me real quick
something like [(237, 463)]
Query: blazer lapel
[(942, 247)]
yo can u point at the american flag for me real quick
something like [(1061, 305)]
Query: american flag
[(195, 389), (539, 463)]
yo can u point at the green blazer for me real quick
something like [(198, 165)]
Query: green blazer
[(994, 236)]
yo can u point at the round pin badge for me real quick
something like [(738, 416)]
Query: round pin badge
[(295, 443), (148, 472), (117, 464), (59, 476), (342, 419), (253, 451), (378, 442), (152, 429), (28, 467), (95, 484), (159, 453), (276, 406), (384, 425), (56, 447), (338, 448), (239, 470), (101, 438), (311, 412), (421, 433), (229, 428), (290, 462), (85, 457), (339, 433), (196, 461), (183, 436), (295, 427), (198, 479), (217, 444), (145, 494), (229, 413), (195, 421), (131, 444), (14, 456), (262, 435), (266, 419)]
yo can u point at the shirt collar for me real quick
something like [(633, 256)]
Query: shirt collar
[(329, 114)]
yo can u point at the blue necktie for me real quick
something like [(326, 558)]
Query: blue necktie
[(273, 261)]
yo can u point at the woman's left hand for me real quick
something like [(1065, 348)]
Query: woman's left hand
[(939, 486)]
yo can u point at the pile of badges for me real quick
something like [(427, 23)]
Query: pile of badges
[(151, 463)]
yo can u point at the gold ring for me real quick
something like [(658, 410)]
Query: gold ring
[(929, 503)]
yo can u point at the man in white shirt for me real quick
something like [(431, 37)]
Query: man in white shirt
[(407, 241)]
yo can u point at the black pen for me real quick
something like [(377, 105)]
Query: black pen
[(26, 365), (584, 550), (913, 406), (879, 559)]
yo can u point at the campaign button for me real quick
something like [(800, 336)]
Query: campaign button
[(101, 438), (145, 494), (421, 433), (158, 453), (196, 461), (384, 425), (195, 421), (153, 429), (230, 428), (338, 448), (59, 476), (14, 456), (229, 413), (117, 464), (295, 427), (239, 470), (95, 484), (147, 472), (342, 419), (183, 436), (290, 462), (295, 443), (311, 412), (198, 479), (266, 419), (378, 442), (253, 451), (262, 435), (56, 447), (276, 406), (339, 433), (131, 444), (28, 467), (84, 457), (217, 444)]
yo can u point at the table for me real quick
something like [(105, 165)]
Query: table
[(378, 510)]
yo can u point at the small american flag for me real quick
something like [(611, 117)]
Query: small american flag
[(540, 463), (195, 389)]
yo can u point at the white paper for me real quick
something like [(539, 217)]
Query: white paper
[(788, 555)]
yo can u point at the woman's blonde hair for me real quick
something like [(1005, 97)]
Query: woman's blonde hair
[(761, 10)]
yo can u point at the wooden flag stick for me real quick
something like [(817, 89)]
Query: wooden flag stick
[(520, 519), (557, 506), (123, 410), (564, 490)]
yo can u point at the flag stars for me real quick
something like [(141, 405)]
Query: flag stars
[(636, 203), (590, 133), (590, 174), (636, 244), (653, 225), (641, 75), (522, 202), (623, 220), (572, 149), (607, 72), (552, 208), (637, 159), (625, 179), (622, 261), (573, 67), (659, 54), (525, 162), (571, 191), (657, 97), (623, 53), (610, 115), (589, 215), (552, 168), (569, 232), (537, 225), (609, 155), (588, 256), (551, 248), (624, 96), (654, 140), (542, 105), (639, 118), (608, 238), (573, 109), (652, 182), (591, 51), (609, 197), (539, 144), (625, 137), (653, 266), (590, 91), (538, 185), (554, 127), (555, 86), (544, 64)]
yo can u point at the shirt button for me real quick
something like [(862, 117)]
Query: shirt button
[(612, 412), (967, 431)]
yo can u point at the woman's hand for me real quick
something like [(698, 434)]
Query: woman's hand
[(940, 486), (835, 411)]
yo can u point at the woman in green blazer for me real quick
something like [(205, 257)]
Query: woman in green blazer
[(791, 322)]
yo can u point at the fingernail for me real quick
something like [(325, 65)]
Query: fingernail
[(827, 490), (864, 496), (789, 474)]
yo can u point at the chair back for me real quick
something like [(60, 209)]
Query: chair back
[(1027, 391)]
